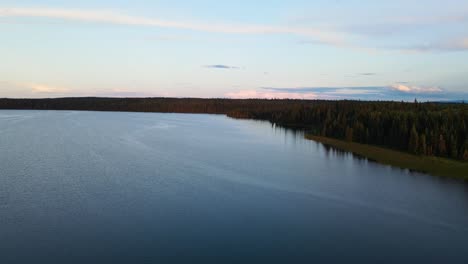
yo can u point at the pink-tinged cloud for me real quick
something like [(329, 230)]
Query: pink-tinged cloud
[(254, 94), (461, 44), (112, 17), (415, 89), (37, 88), (43, 88)]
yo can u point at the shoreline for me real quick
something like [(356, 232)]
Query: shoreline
[(444, 142), (434, 166)]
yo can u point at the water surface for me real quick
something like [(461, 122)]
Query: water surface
[(86, 187)]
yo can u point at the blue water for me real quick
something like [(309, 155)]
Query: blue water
[(102, 187)]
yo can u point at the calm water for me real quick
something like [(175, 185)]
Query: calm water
[(90, 187)]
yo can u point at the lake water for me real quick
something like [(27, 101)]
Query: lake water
[(102, 187)]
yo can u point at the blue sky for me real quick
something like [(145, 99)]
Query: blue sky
[(386, 50)]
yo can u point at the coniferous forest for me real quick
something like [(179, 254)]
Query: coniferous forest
[(432, 129)]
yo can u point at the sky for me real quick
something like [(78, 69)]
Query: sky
[(324, 49)]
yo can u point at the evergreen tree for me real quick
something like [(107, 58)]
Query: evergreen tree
[(442, 146), (465, 151), (413, 144), (349, 134), (422, 145)]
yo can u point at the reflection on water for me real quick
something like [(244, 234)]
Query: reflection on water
[(144, 187)]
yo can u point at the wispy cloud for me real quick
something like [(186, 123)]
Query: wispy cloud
[(436, 28), (251, 94), (385, 20), (450, 45), (346, 34), (40, 88), (390, 92), (25, 89), (368, 73), (168, 38), (221, 66), (415, 89), (128, 93), (113, 17), (327, 90)]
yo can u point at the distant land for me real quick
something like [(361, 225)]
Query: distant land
[(434, 133)]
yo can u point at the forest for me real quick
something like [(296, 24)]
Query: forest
[(431, 129)]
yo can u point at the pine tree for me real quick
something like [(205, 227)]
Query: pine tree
[(349, 134), (442, 146), (422, 145), (453, 147), (413, 144), (465, 151)]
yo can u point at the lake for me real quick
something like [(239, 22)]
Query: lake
[(112, 187)]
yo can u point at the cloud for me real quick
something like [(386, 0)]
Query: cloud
[(112, 17), (409, 17), (355, 34), (42, 88), (32, 90), (328, 90), (415, 89), (398, 26), (128, 93), (356, 90), (221, 66), (368, 73), (459, 44), (456, 44), (397, 91), (251, 94), (37, 88), (169, 38)]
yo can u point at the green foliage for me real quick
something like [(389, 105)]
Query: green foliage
[(442, 146), (349, 134), (465, 151), (431, 165), (413, 146), (422, 145)]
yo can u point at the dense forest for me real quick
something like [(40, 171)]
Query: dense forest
[(433, 129)]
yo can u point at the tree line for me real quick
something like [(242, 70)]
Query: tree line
[(433, 129)]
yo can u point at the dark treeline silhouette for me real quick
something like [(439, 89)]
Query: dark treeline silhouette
[(433, 129)]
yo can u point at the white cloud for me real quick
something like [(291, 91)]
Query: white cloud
[(42, 88), (415, 89), (250, 94), (350, 35), (113, 17), (32, 90)]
